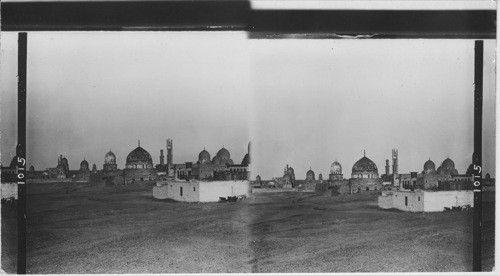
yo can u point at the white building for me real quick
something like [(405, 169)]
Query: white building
[(200, 191), (425, 201)]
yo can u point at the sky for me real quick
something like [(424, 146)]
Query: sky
[(305, 103)]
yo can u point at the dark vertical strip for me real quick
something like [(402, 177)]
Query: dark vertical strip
[(21, 153), (477, 156)]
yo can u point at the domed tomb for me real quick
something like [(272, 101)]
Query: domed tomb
[(310, 175), (364, 168), (109, 162), (447, 167), (84, 165), (225, 157), (110, 158), (336, 168), (429, 166), (139, 158), (204, 157)]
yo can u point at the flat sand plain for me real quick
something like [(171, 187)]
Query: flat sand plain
[(74, 228)]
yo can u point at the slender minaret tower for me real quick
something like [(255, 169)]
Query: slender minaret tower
[(387, 167), (170, 163), (395, 161), (169, 152), (162, 158), (395, 167)]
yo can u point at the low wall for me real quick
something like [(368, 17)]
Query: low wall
[(273, 190), (160, 192), (48, 180), (211, 191), (9, 190), (437, 201), (385, 201)]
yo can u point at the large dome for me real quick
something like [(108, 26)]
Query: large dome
[(364, 165), (223, 153), (110, 158), (139, 155), (429, 166), (448, 164), (336, 168), (204, 157)]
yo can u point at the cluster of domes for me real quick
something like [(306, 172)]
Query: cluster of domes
[(447, 167), (223, 157)]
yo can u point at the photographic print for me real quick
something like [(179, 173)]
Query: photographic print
[(248, 137)]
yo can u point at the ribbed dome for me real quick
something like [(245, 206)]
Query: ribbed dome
[(139, 155), (336, 168), (204, 157), (364, 165), (448, 163), (223, 153), (110, 158), (429, 166)]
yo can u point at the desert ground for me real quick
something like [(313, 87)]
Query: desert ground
[(74, 228)]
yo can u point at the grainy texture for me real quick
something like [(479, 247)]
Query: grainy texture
[(73, 228)]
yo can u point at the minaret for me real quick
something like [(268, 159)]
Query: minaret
[(395, 161), (162, 158), (387, 167), (169, 152)]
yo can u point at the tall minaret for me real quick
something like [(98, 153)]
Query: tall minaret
[(395, 161), (169, 151), (387, 167), (162, 158)]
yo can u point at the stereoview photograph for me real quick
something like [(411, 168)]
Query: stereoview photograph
[(227, 152)]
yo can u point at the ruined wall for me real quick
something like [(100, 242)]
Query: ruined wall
[(211, 191), (385, 201), (273, 190), (437, 201), (160, 192), (140, 176)]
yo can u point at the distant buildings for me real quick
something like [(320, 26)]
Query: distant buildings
[(139, 168)]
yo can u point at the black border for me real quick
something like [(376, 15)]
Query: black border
[(233, 15)]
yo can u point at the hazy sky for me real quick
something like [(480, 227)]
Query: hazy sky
[(305, 103)]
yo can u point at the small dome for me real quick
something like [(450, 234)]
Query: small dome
[(204, 157), (310, 175), (336, 168), (448, 163), (223, 153), (139, 155), (216, 160), (429, 166), (84, 163), (110, 158), (364, 165)]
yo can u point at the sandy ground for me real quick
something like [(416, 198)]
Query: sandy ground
[(73, 228)]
